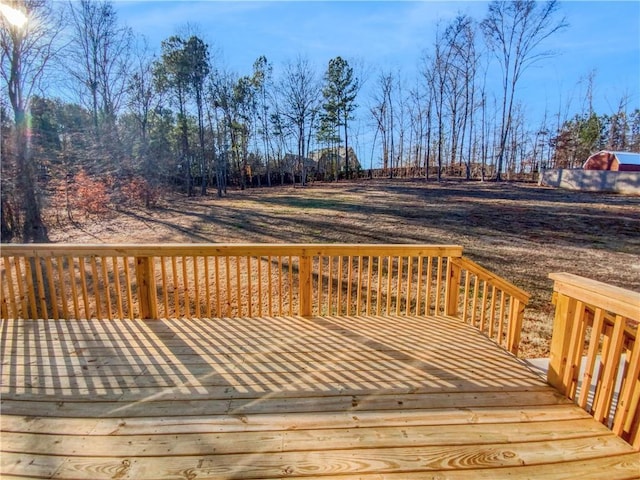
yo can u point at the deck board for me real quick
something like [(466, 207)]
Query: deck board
[(286, 397)]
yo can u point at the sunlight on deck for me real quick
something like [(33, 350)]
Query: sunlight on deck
[(275, 397)]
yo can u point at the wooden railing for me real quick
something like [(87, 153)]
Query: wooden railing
[(490, 303), (595, 344), (194, 280)]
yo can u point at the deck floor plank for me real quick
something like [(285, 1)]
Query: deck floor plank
[(284, 397)]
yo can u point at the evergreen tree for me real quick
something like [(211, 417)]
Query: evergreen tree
[(340, 91)]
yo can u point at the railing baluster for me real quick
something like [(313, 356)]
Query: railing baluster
[(30, 288), (83, 286), (492, 311), (238, 291), (4, 305), (165, 289), (474, 302), (399, 285), (574, 353), (592, 352), (280, 292), (259, 286), (630, 389), (51, 283), (611, 363), (96, 286), (41, 288), (483, 306), (320, 282), (339, 289), (369, 283), (185, 286), (227, 271), (196, 287), (438, 292), (217, 279), (359, 291), (349, 284), (63, 290), (207, 286), (305, 285), (389, 278), (117, 289), (270, 286), (106, 286), (10, 283), (290, 285), (249, 288), (379, 292), (419, 286), (330, 286), (74, 290), (407, 297), (501, 318), (606, 344), (427, 295), (465, 297), (128, 280), (176, 288)]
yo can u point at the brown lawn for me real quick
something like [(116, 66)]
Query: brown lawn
[(520, 231)]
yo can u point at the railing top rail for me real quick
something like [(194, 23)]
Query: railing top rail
[(619, 301), (500, 282), (220, 249)]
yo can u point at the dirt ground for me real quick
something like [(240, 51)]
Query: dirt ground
[(520, 231)]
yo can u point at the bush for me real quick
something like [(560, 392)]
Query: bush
[(138, 192), (89, 195)]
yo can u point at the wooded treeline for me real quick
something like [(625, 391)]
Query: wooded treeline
[(92, 116)]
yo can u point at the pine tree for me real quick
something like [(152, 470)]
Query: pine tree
[(340, 91)]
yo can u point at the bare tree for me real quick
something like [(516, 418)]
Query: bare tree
[(26, 49), (143, 99), (437, 72), (382, 112), (460, 37), (300, 91), (99, 61), (262, 72), (515, 30)]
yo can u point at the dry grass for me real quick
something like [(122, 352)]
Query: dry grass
[(522, 232)]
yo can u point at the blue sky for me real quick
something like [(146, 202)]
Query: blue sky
[(604, 36)]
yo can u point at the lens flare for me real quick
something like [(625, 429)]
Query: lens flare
[(13, 15)]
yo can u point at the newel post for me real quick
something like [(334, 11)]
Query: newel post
[(146, 281), (516, 317), (452, 288), (560, 341), (304, 285)]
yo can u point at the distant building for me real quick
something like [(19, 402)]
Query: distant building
[(613, 161), (333, 159), (293, 163)]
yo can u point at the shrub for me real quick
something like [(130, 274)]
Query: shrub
[(89, 195)]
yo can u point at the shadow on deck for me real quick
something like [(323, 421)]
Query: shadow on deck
[(286, 397)]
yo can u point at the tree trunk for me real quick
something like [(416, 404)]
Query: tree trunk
[(33, 228), (346, 151)]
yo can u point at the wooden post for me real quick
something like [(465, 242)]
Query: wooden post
[(146, 280), (451, 289), (560, 340), (516, 317), (304, 285)]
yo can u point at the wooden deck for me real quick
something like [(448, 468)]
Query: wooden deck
[(285, 397)]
